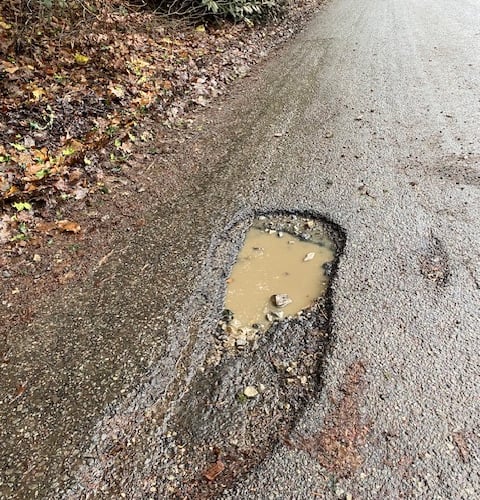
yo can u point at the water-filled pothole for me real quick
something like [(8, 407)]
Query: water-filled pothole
[(283, 266), (276, 275)]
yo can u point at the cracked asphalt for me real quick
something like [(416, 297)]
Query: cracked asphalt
[(369, 118)]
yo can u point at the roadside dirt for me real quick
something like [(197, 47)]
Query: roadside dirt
[(60, 221)]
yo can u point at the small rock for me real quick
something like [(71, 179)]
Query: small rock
[(235, 323), (227, 315), (358, 118), (241, 342), (281, 300), (291, 242), (280, 234), (310, 224), (37, 258), (278, 314), (328, 268), (328, 135), (250, 391), (309, 256), (6, 273), (261, 388)]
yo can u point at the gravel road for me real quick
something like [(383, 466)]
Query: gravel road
[(369, 118)]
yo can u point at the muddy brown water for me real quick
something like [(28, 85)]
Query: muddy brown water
[(270, 263)]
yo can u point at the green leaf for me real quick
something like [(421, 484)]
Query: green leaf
[(18, 147), (69, 150), (22, 205), (42, 173)]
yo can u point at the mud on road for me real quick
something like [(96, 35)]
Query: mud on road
[(228, 407)]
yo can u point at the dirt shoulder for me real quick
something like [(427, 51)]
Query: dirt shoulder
[(94, 113)]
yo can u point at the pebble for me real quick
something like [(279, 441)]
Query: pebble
[(281, 300), (309, 256), (250, 391), (328, 268)]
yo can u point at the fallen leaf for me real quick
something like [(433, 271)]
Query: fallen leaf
[(117, 90), (81, 59), (9, 68), (214, 471), (38, 93), (68, 226), (45, 226), (460, 441), (20, 389), (12, 191), (65, 278), (22, 205)]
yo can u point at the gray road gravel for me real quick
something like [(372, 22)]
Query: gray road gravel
[(378, 108)]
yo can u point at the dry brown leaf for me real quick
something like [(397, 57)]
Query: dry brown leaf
[(65, 278), (68, 226), (215, 470)]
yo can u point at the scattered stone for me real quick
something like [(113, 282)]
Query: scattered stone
[(281, 300), (241, 342), (305, 236), (278, 314), (310, 224), (280, 234), (6, 273), (328, 268), (227, 315), (37, 258), (309, 256), (358, 118), (250, 391), (328, 135)]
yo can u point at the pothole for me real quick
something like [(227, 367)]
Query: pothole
[(258, 377), (233, 397), (281, 269)]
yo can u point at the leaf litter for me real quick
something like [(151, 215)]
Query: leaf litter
[(82, 106)]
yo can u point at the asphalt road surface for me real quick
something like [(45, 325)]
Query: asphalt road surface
[(369, 118)]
